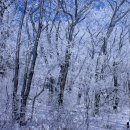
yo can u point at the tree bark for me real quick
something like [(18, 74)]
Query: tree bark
[(31, 70), (64, 71), (16, 75)]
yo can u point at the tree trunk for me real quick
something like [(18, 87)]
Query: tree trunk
[(116, 99), (31, 71), (16, 75), (63, 76), (97, 101), (65, 66)]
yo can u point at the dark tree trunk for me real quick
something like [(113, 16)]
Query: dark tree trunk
[(16, 75), (63, 76), (27, 88), (97, 103), (65, 66)]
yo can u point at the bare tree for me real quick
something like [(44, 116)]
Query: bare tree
[(73, 20), (117, 16), (16, 75), (27, 88)]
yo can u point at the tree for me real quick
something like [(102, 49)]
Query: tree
[(74, 17), (27, 87), (15, 114)]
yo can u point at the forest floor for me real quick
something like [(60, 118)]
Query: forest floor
[(112, 121)]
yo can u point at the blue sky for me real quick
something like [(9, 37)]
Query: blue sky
[(100, 5)]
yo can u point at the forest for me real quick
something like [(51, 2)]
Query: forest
[(64, 64)]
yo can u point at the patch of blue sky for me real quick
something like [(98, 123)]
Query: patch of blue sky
[(100, 4)]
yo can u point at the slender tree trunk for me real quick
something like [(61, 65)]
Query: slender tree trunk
[(65, 66), (31, 70), (97, 103), (63, 75), (16, 75), (115, 79), (62, 81), (29, 81)]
